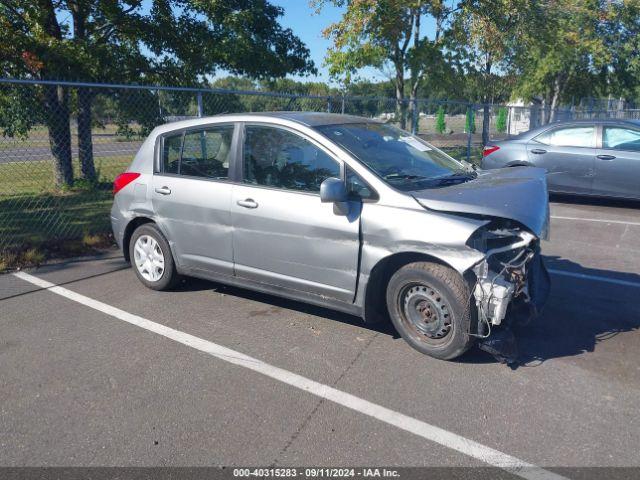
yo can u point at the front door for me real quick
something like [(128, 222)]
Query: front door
[(282, 234), (192, 195), (618, 163), (568, 154)]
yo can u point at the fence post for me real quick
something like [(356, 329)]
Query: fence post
[(342, 110), (472, 115), (200, 108), (328, 104)]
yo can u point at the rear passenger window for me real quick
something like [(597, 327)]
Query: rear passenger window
[(206, 152), (569, 137), (171, 153), (199, 153)]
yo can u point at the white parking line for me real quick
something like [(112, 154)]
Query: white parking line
[(597, 278), (598, 220), (430, 432)]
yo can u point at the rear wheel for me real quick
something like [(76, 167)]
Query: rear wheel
[(151, 258), (429, 306)]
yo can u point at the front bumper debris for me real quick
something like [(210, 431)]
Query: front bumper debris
[(512, 287)]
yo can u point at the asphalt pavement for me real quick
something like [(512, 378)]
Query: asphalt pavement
[(86, 382)]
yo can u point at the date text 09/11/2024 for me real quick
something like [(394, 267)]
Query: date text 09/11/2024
[(316, 472)]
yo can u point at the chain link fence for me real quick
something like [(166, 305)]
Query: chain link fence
[(62, 144)]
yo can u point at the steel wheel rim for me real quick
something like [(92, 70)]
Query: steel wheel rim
[(425, 310), (148, 258)]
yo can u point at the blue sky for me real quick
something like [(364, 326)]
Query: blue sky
[(306, 24)]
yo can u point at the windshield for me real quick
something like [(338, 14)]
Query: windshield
[(404, 161)]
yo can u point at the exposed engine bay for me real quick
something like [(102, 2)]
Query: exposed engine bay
[(510, 279)]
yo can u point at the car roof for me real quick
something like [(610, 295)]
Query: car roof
[(589, 121), (313, 119), (309, 119)]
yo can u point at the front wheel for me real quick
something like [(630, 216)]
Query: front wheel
[(429, 304), (151, 258)]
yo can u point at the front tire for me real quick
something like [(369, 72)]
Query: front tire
[(429, 304), (151, 258)]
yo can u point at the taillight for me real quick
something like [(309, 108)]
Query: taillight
[(123, 180), (489, 149)]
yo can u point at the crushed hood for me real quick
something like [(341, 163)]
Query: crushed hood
[(516, 193)]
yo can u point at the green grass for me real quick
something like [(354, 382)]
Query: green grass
[(33, 211), (460, 153), (21, 178)]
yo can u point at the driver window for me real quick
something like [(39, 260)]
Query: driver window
[(278, 158)]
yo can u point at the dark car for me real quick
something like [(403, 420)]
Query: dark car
[(587, 157)]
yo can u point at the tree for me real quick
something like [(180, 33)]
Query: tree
[(491, 30), (175, 41), (501, 120), (441, 124), (570, 68), (381, 33), (470, 121)]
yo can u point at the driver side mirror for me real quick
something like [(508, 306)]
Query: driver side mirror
[(333, 190)]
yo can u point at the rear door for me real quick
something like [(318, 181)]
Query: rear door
[(618, 162), (283, 235), (568, 154), (192, 193)]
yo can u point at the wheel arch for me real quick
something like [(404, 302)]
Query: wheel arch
[(128, 233), (375, 305)]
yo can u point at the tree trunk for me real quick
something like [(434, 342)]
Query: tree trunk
[(555, 98), (486, 119), (400, 106), (546, 111), (56, 99), (85, 145), (486, 110)]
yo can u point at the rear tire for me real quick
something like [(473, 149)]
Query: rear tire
[(429, 304), (151, 258)]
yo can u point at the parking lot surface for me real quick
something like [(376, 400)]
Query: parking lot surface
[(83, 384)]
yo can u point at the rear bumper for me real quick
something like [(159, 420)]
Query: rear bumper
[(118, 225)]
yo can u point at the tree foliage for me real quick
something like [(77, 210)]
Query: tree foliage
[(386, 33), (169, 41)]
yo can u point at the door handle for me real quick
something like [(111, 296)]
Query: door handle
[(163, 190), (606, 157), (248, 203), (538, 151)]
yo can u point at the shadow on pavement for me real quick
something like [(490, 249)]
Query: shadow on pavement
[(580, 313), (195, 284)]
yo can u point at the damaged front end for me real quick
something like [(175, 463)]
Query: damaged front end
[(511, 285)]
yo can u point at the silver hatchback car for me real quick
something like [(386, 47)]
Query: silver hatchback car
[(342, 212)]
